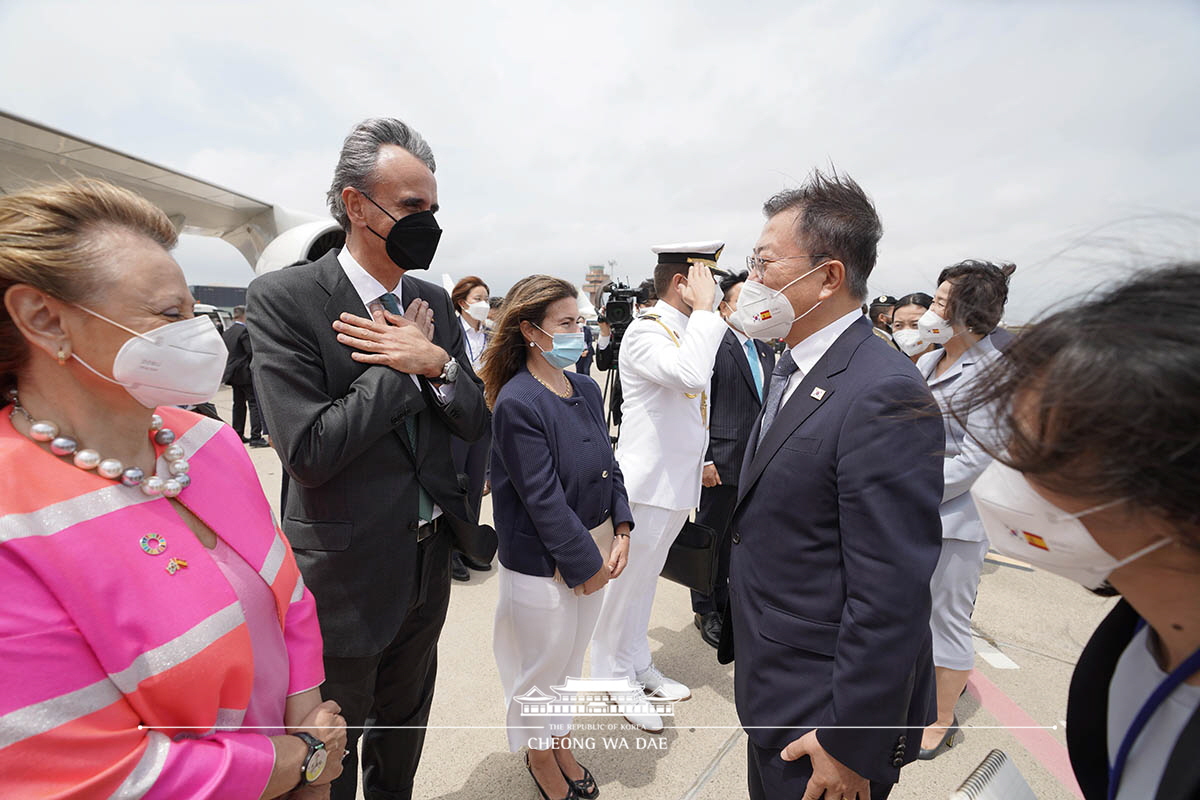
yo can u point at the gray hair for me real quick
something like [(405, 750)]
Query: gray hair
[(360, 152)]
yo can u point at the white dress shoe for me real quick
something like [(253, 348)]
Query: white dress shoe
[(658, 685), (638, 711)]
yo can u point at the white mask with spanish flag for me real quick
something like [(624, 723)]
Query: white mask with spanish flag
[(764, 313), (934, 329), (1024, 525)]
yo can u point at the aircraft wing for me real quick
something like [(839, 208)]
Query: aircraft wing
[(33, 153)]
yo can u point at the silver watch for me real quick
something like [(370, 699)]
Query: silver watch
[(449, 372)]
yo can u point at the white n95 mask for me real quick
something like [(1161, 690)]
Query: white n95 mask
[(764, 313), (479, 311), (934, 329), (909, 341), (180, 363), (1023, 524)]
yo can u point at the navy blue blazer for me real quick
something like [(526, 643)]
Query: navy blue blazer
[(584, 365), (834, 540), (554, 477), (734, 404)]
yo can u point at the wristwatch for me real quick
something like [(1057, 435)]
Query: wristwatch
[(314, 762), (449, 372)]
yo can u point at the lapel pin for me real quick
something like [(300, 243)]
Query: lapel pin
[(818, 393), (174, 565)]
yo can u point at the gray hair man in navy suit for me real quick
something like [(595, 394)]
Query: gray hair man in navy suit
[(836, 530)]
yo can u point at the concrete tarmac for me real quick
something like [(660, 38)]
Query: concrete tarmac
[(1030, 626)]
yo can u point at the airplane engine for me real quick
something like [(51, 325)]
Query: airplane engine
[(309, 241)]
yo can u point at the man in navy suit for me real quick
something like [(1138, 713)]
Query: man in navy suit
[(836, 530), (739, 384)]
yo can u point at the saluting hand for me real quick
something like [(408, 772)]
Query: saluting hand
[(829, 776), (700, 289), (400, 343)]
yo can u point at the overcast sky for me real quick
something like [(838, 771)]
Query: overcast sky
[(1062, 136)]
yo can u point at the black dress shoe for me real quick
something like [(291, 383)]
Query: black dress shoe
[(710, 627), (945, 744), (478, 566), (257, 442), (458, 570)]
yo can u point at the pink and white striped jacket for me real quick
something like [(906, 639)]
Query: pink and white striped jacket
[(118, 678)]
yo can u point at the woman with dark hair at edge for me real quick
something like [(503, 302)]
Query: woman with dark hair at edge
[(968, 305), (905, 313), (1095, 479), (470, 299), (562, 518)]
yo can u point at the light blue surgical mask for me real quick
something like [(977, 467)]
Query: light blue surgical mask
[(568, 347)]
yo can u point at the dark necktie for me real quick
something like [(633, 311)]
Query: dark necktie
[(779, 381), (424, 501)]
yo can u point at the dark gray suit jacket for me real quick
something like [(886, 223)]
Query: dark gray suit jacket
[(734, 404), (835, 538), (339, 427)]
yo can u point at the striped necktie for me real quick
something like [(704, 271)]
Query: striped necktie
[(424, 501), (779, 381)]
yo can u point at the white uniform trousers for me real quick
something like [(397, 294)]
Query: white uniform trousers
[(541, 633), (620, 648)]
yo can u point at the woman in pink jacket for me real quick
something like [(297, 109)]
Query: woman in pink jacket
[(156, 639)]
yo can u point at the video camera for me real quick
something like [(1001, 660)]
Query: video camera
[(620, 305)]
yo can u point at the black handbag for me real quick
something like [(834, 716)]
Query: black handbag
[(692, 560), (476, 542)]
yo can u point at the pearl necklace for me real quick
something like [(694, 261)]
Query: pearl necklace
[(177, 466)]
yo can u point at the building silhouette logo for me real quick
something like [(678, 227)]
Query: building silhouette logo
[(589, 697)]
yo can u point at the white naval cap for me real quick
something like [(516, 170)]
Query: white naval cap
[(685, 252)]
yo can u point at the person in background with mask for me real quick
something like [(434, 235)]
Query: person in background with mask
[(362, 401), (126, 523), (470, 298), (666, 363), (561, 514), (836, 533), (1094, 479), (907, 311), (969, 302), (739, 384)]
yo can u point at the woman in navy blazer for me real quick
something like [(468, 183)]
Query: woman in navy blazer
[(554, 478)]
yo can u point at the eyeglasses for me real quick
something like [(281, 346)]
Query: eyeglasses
[(758, 266)]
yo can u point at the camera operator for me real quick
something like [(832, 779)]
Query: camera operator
[(629, 304), (666, 364)]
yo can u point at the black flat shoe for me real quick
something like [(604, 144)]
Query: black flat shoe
[(571, 793), (478, 566), (945, 744), (586, 786)]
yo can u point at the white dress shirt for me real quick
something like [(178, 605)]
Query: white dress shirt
[(475, 340), (807, 353)]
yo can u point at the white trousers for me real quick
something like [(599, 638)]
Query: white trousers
[(541, 633), (620, 648)]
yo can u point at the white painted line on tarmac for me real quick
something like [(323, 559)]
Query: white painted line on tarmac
[(993, 656), (705, 776)]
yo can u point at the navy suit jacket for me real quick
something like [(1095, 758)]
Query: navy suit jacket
[(835, 538), (584, 365), (554, 477), (734, 404)]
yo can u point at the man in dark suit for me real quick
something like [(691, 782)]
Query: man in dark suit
[(362, 402), (584, 365), (836, 530), (735, 398), (237, 375)]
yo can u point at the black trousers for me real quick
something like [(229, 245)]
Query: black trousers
[(769, 777), (393, 688), (716, 511), (243, 398)]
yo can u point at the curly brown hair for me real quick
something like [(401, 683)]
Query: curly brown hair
[(526, 301), (979, 294)]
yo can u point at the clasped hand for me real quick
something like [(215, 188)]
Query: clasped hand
[(404, 343)]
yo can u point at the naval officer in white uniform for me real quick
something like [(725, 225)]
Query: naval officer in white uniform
[(666, 364)]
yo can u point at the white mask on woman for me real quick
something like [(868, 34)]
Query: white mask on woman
[(934, 329), (1023, 524), (180, 363), (478, 311), (909, 341)]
